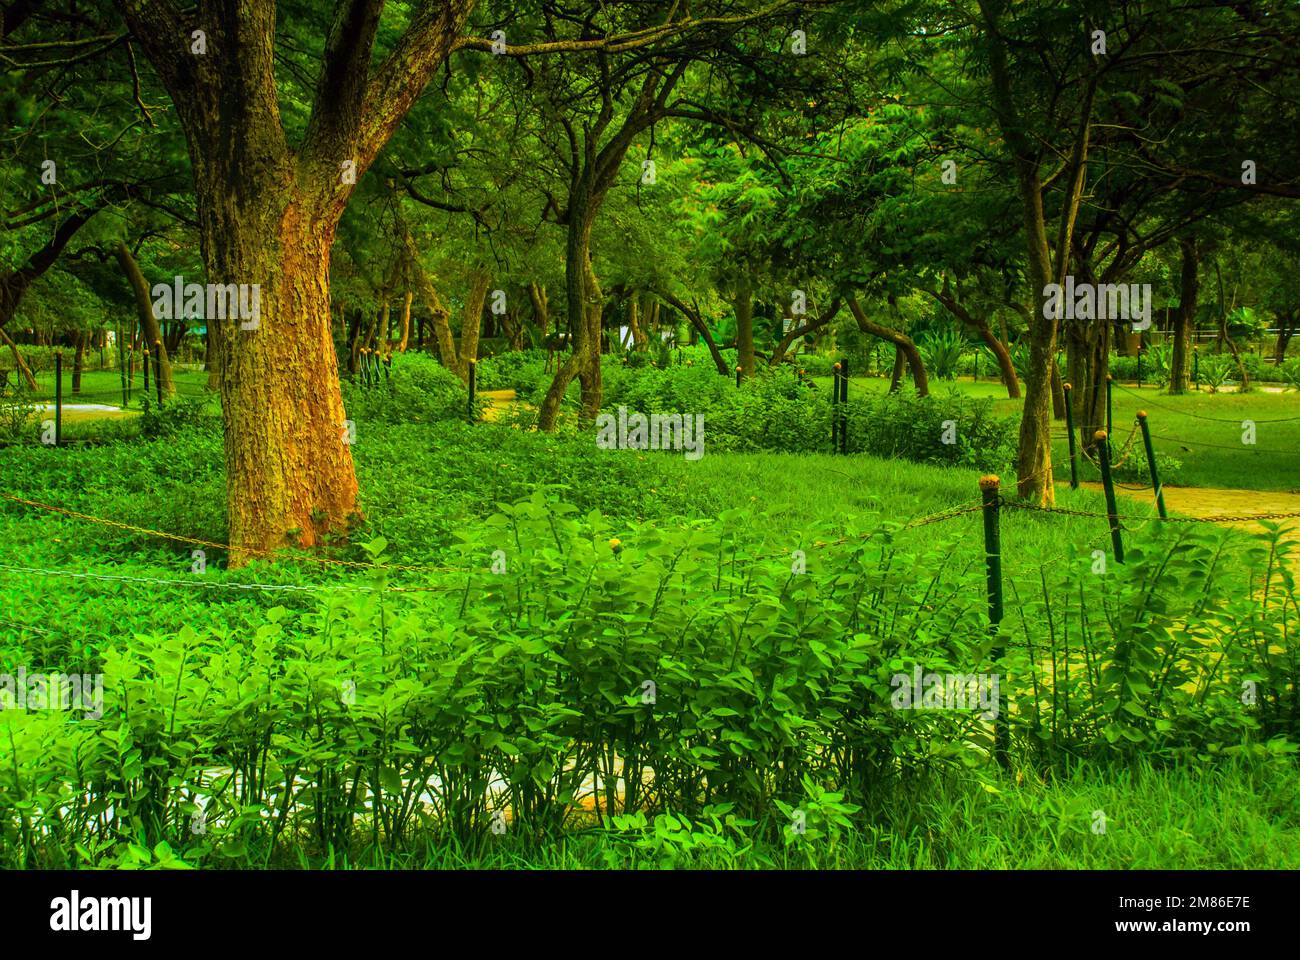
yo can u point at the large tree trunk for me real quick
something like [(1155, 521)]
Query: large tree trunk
[(148, 322), (473, 322), (541, 311), (19, 363), (289, 469), (268, 212), (1286, 328), (590, 377), (743, 304), (899, 339), (585, 346), (1034, 452), (79, 359), (1188, 288)]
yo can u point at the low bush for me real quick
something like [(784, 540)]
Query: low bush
[(776, 411), (417, 389)]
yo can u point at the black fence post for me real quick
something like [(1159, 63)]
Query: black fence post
[(738, 377), (1069, 425), (157, 374), (1196, 369), (388, 369), (1110, 428), (120, 342), (146, 362), (58, 397), (993, 568), (473, 371), (844, 405), (1112, 509), (1139, 368), (1151, 464), (835, 408)]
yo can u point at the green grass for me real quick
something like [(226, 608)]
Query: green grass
[(1210, 450), (1239, 815), (105, 386)]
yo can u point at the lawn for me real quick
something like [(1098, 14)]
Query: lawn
[(1203, 431)]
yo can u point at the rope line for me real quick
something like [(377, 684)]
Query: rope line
[(202, 584), (1243, 448), (196, 541), (1218, 518), (211, 584)]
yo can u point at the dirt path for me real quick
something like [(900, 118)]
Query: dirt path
[(1217, 501), (501, 401)]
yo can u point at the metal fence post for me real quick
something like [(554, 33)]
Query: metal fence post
[(157, 374), (1151, 464), (993, 568), (58, 397), (844, 405), (1112, 509), (473, 364), (1069, 425)]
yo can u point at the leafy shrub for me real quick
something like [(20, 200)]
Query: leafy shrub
[(1216, 369), (1290, 373), (418, 389), (1159, 364), (669, 680), (942, 353), (775, 411), (175, 414), (519, 370), (17, 406)]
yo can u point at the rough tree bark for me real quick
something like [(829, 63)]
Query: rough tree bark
[(541, 311), (473, 320), (405, 339), (1184, 320)]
